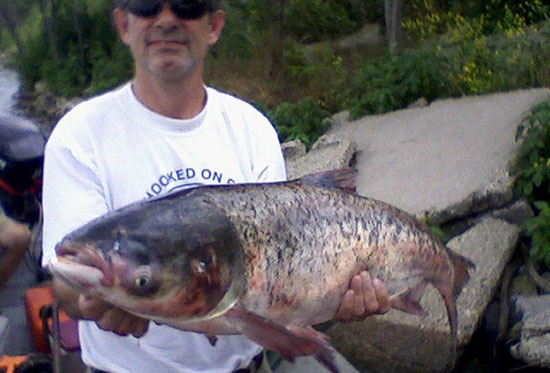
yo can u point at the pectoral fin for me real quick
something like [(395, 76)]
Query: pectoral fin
[(289, 342)]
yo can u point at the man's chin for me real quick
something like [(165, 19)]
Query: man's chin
[(174, 69)]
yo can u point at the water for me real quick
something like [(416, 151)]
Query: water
[(9, 85)]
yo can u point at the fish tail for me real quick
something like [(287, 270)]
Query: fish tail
[(450, 304), (461, 266), (461, 276)]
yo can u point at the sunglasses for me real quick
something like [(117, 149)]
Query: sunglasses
[(183, 9)]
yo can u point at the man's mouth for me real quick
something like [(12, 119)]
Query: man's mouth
[(167, 42)]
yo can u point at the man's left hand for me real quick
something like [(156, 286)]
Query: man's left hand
[(364, 297)]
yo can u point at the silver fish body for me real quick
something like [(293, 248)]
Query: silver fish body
[(266, 260)]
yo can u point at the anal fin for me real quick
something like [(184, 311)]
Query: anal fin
[(410, 301), (289, 342)]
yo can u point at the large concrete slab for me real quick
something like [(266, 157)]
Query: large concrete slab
[(445, 160)]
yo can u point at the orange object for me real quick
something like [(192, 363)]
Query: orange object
[(37, 300), (9, 363)]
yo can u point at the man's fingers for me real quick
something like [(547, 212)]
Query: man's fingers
[(129, 324), (370, 300), (141, 328), (382, 295), (92, 308), (346, 312), (111, 321), (364, 297), (111, 318), (358, 297)]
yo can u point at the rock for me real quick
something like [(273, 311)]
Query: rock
[(340, 118), (515, 213), (328, 153), (293, 150), (534, 344), (522, 284), (398, 342), (447, 160), (421, 102)]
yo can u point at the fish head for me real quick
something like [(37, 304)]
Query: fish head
[(158, 263)]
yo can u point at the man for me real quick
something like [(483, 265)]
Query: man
[(163, 131)]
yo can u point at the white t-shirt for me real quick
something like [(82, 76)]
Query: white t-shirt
[(111, 151)]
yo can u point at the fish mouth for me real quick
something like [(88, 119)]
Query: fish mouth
[(82, 266)]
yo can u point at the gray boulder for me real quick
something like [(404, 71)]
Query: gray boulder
[(534, 343), (328, 153)]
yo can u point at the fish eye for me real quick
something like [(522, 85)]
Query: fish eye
[(202, 266), (142, 281)]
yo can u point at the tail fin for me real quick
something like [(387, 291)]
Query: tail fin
[(461, 266)]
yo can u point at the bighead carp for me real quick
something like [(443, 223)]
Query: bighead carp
[(266, 260)]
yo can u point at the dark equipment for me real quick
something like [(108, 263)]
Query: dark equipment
[(22, 154)]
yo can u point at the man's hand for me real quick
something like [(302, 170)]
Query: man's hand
[(111, 318), (107, 316), (364, 297)]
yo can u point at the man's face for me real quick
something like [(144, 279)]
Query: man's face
[(167, 47)]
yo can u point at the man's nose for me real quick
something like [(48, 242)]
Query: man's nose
[(166, 15)]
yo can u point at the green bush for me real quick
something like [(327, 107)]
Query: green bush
[(500, 48), (532, 168), (532, 172), (86, 39), (395, 81), (305, 120), (463, 60), (315, 20), (538, 228), (110, 67)]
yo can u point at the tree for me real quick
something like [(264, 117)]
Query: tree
[(48, 8), (277, 61), (393, 11)]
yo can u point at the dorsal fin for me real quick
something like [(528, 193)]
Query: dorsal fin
[(343, 178)]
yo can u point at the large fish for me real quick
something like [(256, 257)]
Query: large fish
[(266, 260)]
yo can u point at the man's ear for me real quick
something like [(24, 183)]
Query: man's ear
[(120, 18), (217, 21)]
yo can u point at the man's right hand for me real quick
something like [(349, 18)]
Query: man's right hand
[(106, 316)]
